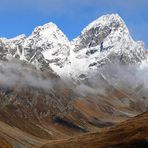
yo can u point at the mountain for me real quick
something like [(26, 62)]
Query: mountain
[(101, 41), (41, 48), (54, 89), (50, 41)]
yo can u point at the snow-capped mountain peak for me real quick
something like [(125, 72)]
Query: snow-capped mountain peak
[(46, 34), (102, 41), (50, 32), (50, 41), (108, 28), (111, 20), (49, 25)]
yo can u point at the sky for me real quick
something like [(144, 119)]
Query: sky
[(71, 16)]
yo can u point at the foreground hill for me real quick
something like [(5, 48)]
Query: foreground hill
[(132, 133)]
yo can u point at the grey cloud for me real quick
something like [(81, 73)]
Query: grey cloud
[(127, 78), (13, 74)]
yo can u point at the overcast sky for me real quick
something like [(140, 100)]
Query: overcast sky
[(22, 16)]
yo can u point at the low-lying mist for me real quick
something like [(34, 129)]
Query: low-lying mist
[(133, 77), (116, 75), (15, 74)]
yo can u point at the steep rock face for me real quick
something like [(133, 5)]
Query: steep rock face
[(108, 30), (101, 42)]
